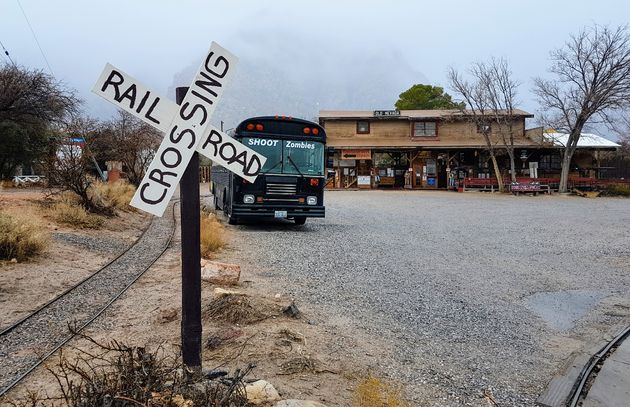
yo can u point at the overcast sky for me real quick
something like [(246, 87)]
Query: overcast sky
[(156, 41)]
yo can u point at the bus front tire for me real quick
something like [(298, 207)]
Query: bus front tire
[(300, 220)]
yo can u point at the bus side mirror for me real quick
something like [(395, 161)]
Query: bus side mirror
[(330, 153)]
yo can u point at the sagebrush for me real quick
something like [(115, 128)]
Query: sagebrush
[(212, 234), (21, 236), (70, 213), (112, 195)]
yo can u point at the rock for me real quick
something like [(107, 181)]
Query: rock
[(220, 273), (277, 296), (14, 260), (220, 292), (291, 311), (299, 403), (260, 392)]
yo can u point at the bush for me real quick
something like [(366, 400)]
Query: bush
[(112, 196), (617, 190), (20, 236), (374, 392), (122, 375), (212, 234), (69, 212)]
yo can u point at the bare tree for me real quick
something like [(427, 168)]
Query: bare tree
[(31, 97), (592, 81), (130, 141), (70, 162), (476, 96), (502, 90)]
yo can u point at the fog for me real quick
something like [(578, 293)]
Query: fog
[(295, 57)]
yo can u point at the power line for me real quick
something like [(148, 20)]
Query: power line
[(35, 36), (7, 53)]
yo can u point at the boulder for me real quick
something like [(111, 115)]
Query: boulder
[(260, 392), (220, 273), (299, 403)]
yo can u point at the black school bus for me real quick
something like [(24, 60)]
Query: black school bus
[(291, 183)]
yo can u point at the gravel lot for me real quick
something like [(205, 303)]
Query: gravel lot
[(456, 293)]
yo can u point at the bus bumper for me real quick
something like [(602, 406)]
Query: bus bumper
[(247, 211)]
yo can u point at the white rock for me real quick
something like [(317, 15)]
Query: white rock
[(260, 392), (299, 403), (220, 273)]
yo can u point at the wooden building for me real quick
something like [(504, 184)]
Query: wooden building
[(411, 148), (430, 149)]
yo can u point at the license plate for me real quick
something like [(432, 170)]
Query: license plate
[(280, 214)]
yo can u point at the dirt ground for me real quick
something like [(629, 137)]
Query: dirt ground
[(71, 256), (300, 356)]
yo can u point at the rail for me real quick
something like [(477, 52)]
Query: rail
[(94, 316)]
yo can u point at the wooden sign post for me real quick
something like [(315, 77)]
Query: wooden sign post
[(187, 129)]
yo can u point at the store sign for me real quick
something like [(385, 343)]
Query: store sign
[(356, 154), (364, 180), (386, 113)]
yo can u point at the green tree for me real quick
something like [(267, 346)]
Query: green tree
[(20, 145), (426, 97)]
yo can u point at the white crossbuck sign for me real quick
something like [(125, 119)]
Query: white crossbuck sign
[(186, 127)]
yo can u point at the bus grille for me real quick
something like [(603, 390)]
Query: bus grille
[(281, 189)]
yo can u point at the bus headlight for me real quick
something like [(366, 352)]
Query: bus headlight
[(248, 199), (311, 200)]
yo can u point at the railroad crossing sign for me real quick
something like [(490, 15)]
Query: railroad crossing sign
[(187, 127)]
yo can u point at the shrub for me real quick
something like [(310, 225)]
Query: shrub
[(212, 234), (617, 190), (112, 196), (374, 392), (71, 213), (122, 375), (20, 236)]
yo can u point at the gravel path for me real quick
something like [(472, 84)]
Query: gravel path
[(463, 292), (22, 347)]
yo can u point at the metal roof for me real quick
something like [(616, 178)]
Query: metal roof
[(587, 140)]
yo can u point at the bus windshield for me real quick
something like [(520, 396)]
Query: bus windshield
[(289, 156)]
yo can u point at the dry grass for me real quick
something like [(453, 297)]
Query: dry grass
[(21, 236), (115, 374), (112, 195), (70, 213), (212, 235), (235, 309), (374, 392)]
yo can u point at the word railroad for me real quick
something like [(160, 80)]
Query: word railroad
[(187, 127)]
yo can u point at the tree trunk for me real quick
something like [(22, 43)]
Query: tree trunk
[(512, 168), (564, 173), (497, 172)]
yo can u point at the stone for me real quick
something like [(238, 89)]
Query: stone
[(291, 311), (221, 292), (220, 273), (299, 403), (168, 315), (14, 260), (260, 392)]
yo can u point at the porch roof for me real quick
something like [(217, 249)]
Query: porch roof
[(587, 140)]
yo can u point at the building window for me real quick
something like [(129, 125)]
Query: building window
[(550, 162), (484, 128), (363, 127), (424, 129)]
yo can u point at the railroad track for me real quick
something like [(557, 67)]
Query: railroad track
[(45, 330), (590, 370)]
